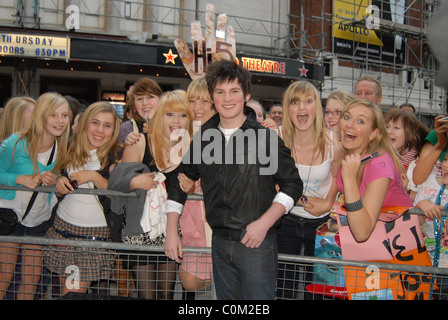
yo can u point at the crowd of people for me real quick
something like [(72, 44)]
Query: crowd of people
[(172, 144)]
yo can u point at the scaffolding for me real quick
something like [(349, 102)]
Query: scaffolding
[(408, 74), (411, 78)]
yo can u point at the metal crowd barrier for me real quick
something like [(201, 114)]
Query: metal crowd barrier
[(111, 193), (124, 283), (299, 276)]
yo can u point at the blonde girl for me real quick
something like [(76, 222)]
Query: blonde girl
[(25, 161), (368, 187), (91, 156), (162, 149), (317, 155), (336, 102), (16, 116), (195, 271)]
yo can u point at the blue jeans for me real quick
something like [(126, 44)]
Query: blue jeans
[(241, 273)]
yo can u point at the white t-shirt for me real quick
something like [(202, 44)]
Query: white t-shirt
[(317, 182), (81, 209), (41, 209)]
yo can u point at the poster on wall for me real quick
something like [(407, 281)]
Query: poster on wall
[(365, 38)]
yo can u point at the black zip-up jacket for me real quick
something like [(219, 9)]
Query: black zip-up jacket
[(235, 191)]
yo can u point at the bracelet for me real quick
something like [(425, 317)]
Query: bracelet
[(354, 206)]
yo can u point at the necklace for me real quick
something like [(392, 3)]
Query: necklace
[(303, 197)]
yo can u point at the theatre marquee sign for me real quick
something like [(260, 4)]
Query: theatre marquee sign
[(26, 45)]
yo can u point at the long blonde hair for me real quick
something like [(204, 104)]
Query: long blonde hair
[(12, 118), (79, 152), (295, 92), (382, 142), (46, 104), (172, 101)]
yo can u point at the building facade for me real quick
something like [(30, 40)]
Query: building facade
[(385, 39), (94, 49)]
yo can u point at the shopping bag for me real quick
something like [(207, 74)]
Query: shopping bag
[(396, 240)]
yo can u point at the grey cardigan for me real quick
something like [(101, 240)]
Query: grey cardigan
[(120, 180)]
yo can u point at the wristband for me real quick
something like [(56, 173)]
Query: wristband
[(354, 206)]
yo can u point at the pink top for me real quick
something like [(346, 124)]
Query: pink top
[(379, 167), (388, 240)]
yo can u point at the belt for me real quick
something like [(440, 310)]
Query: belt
[(235, 234), (67, 235), (295, 217), (306, 220)]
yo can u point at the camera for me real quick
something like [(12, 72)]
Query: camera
[(444, 119)]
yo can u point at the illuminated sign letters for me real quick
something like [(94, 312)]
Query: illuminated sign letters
[(262, 65), (26, 45)]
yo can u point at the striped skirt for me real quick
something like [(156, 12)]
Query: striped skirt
[(91, 264)]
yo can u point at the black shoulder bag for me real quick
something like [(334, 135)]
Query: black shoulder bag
[(8, 217)]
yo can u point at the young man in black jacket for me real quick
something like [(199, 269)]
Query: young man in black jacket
[(239, 163)]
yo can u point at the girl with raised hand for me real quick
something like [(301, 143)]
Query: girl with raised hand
[(170, 130), (368, 187), (368, 233), (143, 100)]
